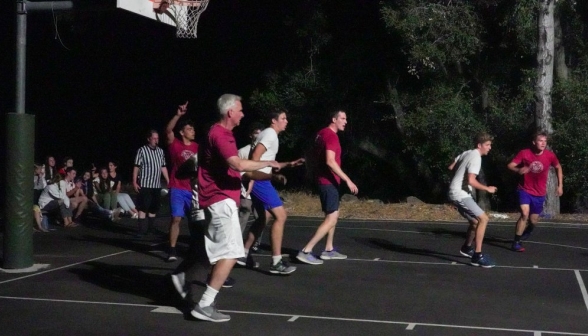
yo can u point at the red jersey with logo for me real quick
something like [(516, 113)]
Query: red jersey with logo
[(180, 153), (535, 181), (325, 140), (216, 180)]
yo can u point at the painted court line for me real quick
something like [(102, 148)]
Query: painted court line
[(172, 310), (582, 287), (70, 265)]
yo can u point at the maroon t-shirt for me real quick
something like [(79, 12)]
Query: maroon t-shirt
[(325, 140), (535, 181), (216, 180), (180, 153)]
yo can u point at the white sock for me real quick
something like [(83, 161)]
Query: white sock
[(208, 297), (276, 259)]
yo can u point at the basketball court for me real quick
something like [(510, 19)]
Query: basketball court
[(400, 279)]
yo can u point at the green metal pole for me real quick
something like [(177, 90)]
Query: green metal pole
[(18, 230)]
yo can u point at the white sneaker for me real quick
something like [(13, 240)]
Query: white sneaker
[(179, 281)]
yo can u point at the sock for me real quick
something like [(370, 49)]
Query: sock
[(276, 259), (208, 297), (517, 238)]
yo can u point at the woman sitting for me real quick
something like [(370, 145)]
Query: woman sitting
[(105, 193), (124, 199), (54, 199)]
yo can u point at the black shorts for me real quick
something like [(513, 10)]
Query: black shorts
[(149, 200), (329, 195)]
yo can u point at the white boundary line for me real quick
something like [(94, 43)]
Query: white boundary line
[(582, 287), (295, 317), (70, 265)]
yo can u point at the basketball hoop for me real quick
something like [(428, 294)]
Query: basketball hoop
[(185, 12)]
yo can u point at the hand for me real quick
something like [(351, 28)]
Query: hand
[(136, 186), (491, 189), (352, 187), (280, 178), (523, 170), (559, 191), (182, 109), (297, 163), (275, 165)]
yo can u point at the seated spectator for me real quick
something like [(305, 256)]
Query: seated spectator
[(54, 199), (78, 200), (39, 183), (85, 188), (38, 219), (50, 169), (67, 163), (124, 199), (103, 187)]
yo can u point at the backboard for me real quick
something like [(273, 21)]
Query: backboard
[(146, 9)]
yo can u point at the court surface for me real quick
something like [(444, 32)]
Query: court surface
[(400, 279)]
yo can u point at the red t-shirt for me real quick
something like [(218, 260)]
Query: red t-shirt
[(325, 140), (180, 153), (535, 181), (216, 180)]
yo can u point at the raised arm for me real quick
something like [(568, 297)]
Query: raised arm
[(169, 129)]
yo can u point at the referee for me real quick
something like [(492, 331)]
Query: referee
[(149, 166)]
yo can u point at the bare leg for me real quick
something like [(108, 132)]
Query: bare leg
[(277, 233), (174, 231), (522, 222), (220, 273), (326, 226), (480, 231)]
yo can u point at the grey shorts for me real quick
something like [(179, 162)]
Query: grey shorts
[(468, 208)]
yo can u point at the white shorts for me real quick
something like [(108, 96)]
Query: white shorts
[(223, 239), (468, 208)]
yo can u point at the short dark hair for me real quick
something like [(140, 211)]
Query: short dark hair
[(150, 133), (334, 114), (68, 169), (482, 137), (255, 126), (67, 158), (184, 123), (274, 113)]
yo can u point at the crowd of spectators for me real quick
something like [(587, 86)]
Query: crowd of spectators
[(64, 196)]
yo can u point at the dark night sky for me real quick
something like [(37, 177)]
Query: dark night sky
[(122, 74)]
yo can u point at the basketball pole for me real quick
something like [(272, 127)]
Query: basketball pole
[(20, 134)]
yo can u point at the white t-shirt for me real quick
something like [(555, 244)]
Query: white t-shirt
[(52, 192), (468, 162), (269, 139)]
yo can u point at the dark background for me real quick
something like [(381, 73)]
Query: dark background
[(98, 80)]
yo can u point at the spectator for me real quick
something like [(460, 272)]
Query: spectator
[(50, 169), (67, 163), (123, 199), (39, 183), (54, 198), (103, 186), (78, 201)]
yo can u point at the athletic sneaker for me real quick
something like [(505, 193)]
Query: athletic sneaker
[(467, 251), (517, 246), (333, 254), (309, 258), (172, 255), (209, 313), (229, 283), (179, 281), (281, 267), (482, 261), (247, 262)]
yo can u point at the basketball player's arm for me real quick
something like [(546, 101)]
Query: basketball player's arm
[(559, 171), (169, 129), (477, 185), (257, 176), (450, 167), (241, 165), (332, 163)]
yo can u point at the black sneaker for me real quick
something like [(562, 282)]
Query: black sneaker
[(247, 262), (282, 267), (172, 256), (229, 283)]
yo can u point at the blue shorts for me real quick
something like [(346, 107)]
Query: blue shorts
[(264, 193), (535, 202), (180, 202), (329, 195)]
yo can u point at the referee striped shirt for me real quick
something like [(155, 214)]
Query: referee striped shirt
[(150, 161)]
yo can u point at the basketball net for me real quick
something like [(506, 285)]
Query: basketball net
[(186, 14)]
